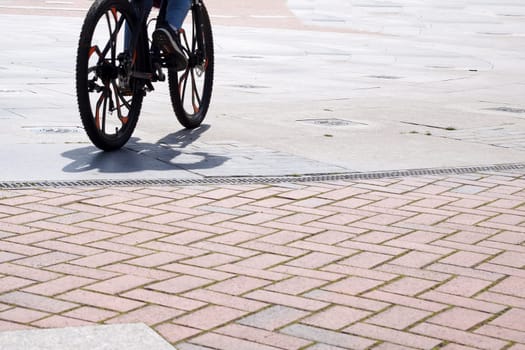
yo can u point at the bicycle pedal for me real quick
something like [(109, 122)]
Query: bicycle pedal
[(149, 87), (159, 73)]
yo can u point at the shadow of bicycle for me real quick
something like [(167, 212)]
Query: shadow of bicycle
[(175, 151)]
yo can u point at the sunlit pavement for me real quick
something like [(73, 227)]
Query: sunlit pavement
[(361, 87), (422, 259)]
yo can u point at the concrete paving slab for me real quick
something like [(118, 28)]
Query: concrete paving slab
[(109, 337)]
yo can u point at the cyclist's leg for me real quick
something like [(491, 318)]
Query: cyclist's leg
[(176, 12), (143, 8), (166, 36)]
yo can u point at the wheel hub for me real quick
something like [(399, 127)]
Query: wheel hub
[(107, 71)]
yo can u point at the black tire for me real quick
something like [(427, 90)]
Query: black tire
[(108, 112), (191, 107)]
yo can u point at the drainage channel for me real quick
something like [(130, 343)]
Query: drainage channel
[(244, 180)]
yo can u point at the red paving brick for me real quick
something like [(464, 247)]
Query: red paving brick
[(59, 285), (460, 318), (348, 300), (22, 315), (340, 339), (468, 303), (57, 321), (36, 302), (463, 286), (408, 286), (91, 314), (119, 284), (416, 259), (110, 302), (512, 319), (393, 336), (398, 317), (402, 263), (209, 317), (218, 341), (353, 285), (149, 314), (156, 259), (179, 284), (9, 283), (263, 337), (460, 337), (335, 317), (287, 300)]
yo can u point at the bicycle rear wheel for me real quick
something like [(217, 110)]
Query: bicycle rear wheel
[(191, 89), (109, 99)]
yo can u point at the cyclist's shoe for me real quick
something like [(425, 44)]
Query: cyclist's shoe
[(167, 40)]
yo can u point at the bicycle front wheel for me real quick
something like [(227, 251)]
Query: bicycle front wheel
[(109, 99), (190, 89)]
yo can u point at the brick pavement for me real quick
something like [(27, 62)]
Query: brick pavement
[(402, 263)]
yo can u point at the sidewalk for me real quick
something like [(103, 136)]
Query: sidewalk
[(399, 263), (302, 87), (413, 85)]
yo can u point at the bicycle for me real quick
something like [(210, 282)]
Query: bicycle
[(113, 77)]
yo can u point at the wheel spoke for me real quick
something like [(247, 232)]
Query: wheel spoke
[(113, 36), (105, 108), (182, 85), (97, 110), (184, 43), (114, 12), (95, 49), (123, 119), (112, 42), (124, 102), (195, 98), (193, 37)]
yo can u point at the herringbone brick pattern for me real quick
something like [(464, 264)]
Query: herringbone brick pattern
[(403, 263)]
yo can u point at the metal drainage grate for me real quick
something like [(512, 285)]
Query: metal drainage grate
[(330, 122), (243, 180)]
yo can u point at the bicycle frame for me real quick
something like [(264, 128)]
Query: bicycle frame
[(114, 74), (151, 70)]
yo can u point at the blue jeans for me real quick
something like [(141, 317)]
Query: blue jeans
[(176, 12)]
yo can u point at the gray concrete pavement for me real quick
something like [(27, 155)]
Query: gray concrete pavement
[(361, 87), (135, 336)]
